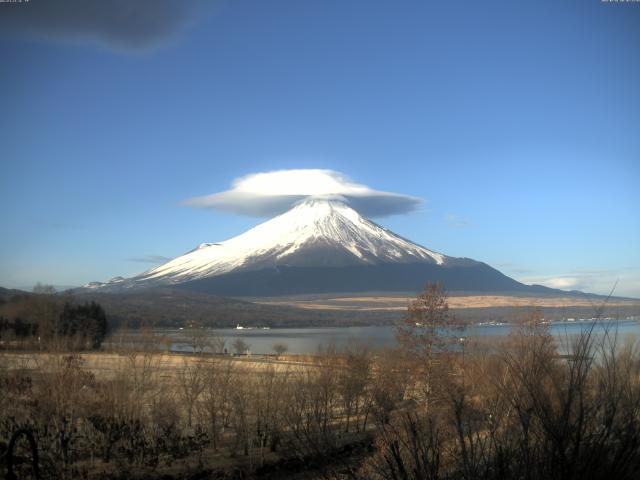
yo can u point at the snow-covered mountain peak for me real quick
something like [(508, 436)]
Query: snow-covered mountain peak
[(316, 232)]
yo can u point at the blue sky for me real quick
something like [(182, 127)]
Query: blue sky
[(518, 123)]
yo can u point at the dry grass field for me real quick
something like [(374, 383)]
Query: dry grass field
[(399, 303), (106, 364)]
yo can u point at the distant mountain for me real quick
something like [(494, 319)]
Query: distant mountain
[(155, 307), (320, 245), (7, 293)]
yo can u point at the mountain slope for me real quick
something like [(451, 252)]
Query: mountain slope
[(320, 245), (313, 233), (387, 277)]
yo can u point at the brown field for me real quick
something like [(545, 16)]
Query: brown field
[(399, 303), (105, 364)]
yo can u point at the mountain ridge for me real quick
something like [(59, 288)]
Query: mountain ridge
[(320, 245)]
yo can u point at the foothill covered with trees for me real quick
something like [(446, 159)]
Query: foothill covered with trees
[(44, 319)]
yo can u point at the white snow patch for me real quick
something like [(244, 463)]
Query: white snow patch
[(314, 221)]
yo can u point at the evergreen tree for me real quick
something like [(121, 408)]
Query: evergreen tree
[(87, 322)]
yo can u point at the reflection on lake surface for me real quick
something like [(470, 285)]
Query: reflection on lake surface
[(307, 340)]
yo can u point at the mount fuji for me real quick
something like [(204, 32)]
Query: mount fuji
[(321, 245)]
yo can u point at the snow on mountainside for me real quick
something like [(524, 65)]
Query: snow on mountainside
[(315, 233)]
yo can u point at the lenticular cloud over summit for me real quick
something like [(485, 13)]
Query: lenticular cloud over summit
[(270, 193), (321, 242)]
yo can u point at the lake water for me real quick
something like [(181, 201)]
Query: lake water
[(308, 340)]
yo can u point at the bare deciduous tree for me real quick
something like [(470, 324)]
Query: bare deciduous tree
[(353, 380), (279, 349), (216, 404), (191, 382), (424, 333), (240, 346)]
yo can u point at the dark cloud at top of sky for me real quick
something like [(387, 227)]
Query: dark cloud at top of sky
[(119, 24), (270, 193)]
